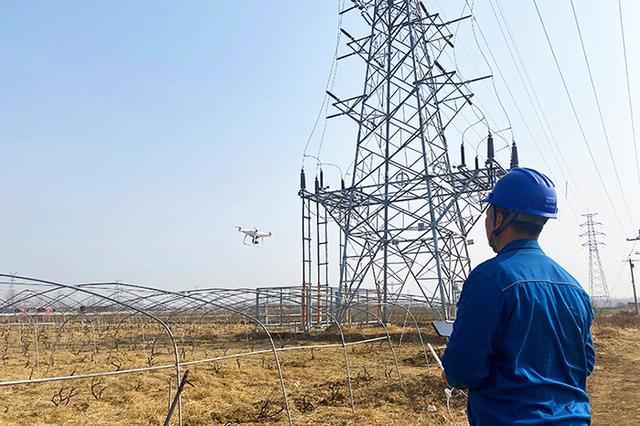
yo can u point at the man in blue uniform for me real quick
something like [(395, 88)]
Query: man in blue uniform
[(521, 341)]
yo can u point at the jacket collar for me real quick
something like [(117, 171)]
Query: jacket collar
[(520, 244)]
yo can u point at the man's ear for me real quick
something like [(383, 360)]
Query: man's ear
[(499, 219)]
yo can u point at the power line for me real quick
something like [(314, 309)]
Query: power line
[(481, 113), (618, 275), (516, 104), (575, 113), (563, 231), (474, 22), (595, 95), (489, 120), (330, 81), (626, 70), (551, 134), (335, 73), (519, 63)]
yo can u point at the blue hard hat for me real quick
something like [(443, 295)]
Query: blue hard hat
[(527, 191)]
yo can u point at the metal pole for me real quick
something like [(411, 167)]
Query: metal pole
[(318, 186), (281, 307), (633, 283), (257, 308), (174, 404), (387, 141), (305, 218)]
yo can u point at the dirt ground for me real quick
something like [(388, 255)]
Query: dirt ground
[(615, 383), (247, 391)]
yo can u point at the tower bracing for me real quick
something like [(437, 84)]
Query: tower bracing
[(406, 211), (598, 289)]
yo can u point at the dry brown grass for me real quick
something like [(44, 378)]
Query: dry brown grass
[(246, 390)]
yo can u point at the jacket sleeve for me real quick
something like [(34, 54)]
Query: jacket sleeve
[(468, 359), (590, 353)]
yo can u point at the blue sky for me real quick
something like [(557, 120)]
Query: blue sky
[(136, 135)]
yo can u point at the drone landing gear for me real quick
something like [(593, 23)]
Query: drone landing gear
[(255, 241)]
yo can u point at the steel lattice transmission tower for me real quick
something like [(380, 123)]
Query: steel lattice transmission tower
[(405, 215), (598, 289)]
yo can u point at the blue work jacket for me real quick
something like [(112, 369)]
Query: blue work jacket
[(521, 341)]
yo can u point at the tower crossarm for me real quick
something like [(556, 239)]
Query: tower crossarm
[(462, 184)]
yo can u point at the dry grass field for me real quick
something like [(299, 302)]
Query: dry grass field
[(246, 390)]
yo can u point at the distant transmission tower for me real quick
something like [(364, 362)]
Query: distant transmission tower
[(598, 289), (406, 214)]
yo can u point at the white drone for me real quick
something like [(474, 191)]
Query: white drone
[(255, 234)]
